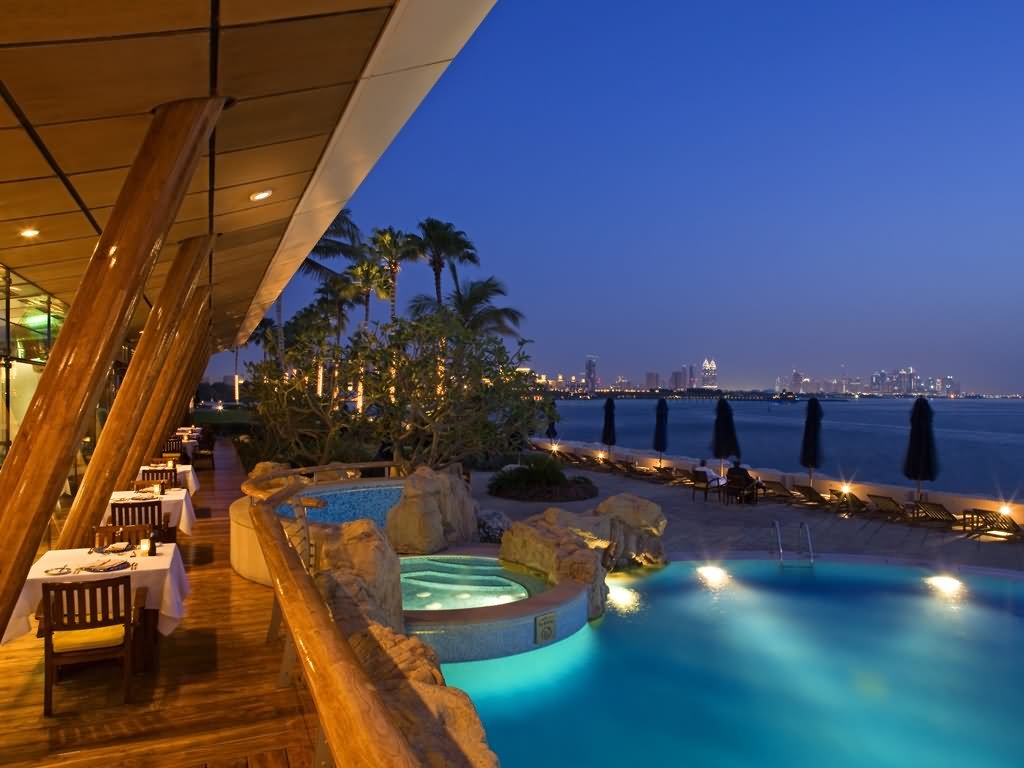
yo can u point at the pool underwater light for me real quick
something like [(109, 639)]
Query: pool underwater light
[(713, 576), (945, 585)]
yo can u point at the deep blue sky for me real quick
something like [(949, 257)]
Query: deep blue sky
[(776, 184)]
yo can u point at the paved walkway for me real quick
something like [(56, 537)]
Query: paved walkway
[(712, 530)]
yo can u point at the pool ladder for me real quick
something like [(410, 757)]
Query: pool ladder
[(807, 560)]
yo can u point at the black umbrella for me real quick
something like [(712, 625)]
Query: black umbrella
[(608, 430), (661, 428), (725, 442), (810, 449), (921, 464), (552, 433)]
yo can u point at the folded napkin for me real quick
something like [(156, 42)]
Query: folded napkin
[(143, 497), (106, 566), (117, 546)]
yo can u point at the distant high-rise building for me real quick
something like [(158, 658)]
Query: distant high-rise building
[(709, 379), (652, 380), (950, 386), (692, 381), (622, 384), (778, 385), (590, 373), (678, 380), (796, 381)]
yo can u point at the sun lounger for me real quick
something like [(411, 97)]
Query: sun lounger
[(776, 491), (848, 502), (809, 497), (985, 522), (888, 507), (933, 513), (674, 476)]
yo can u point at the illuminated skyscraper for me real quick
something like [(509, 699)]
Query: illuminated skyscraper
[(710, 374), (590, 373), (652, 380)]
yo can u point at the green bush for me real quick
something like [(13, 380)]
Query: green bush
[(540, 478)]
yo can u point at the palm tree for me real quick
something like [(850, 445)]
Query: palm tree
[(368, 278), (260, 335), (474, 305), (391, 247), (335, 296), (441, 244), (341, 240)]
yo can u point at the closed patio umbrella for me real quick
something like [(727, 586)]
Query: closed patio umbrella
[(661, 428), (551, 433), (608, 429), (921, 464), (810, 449), (724, 442)]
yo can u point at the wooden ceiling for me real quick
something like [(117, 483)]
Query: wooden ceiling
[(80, 81)]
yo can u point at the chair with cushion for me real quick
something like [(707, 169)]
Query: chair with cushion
[(204, 448), (89, 621), (172, 448), (169, 477)]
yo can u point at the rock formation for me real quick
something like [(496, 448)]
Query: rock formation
[(360, 583), (627, 527), (559, 554), (436, 511)]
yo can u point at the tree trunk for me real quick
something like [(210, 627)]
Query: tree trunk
[(279, 332), (437, 282), (366, 315), (394, 293)]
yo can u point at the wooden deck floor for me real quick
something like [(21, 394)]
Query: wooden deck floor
[(214, 701)]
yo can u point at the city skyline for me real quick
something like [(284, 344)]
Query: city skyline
[(778, 185)]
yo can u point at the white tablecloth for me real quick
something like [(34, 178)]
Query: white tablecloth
[(163, 575), (190, 431), (187, 477), (189, 447), (176, 503)]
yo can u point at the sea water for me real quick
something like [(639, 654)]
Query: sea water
[(980, 443)]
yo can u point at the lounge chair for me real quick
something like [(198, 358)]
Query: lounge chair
[(776, 491), (888, 507), (741, 489), (674, 476), (849, 502), (809, 497), (935, 514), (985, 522)]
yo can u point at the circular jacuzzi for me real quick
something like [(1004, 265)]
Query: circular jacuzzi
[(469, 605), (451, 582)]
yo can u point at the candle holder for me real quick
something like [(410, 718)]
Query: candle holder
[(145, 545)]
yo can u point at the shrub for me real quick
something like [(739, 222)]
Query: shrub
[(540, 478)]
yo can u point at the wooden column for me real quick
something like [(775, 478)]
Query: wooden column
[(191, 332), (41, 455), (147, 365)]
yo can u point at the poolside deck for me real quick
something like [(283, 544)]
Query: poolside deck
[(712, 530), (214, 702)]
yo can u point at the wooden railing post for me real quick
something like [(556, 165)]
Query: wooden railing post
[(37, 464), (190, 332), (147, 364)]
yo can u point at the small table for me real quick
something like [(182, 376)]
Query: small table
[(175, 503), (163, 575), (187, 477)]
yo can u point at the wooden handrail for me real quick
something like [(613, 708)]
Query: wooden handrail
[(356, 725)]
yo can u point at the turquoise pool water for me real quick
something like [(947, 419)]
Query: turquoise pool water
[(839, 666), (347, 504), (437, 582)]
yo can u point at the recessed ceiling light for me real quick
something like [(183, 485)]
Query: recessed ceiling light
[(263, 194), (29, 232)]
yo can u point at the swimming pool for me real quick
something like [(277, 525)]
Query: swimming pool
[(837, 665), (441, 582), (352, 502)]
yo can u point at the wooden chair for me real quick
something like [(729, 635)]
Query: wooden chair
[(88, 621), (137, 513), (204, 448), (105, 535), (702, 482), (169, 477), (161, 460), (146, 485), (172, 448)]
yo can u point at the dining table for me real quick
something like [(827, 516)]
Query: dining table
[(163, 575), (176, 503), (186, 473)]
